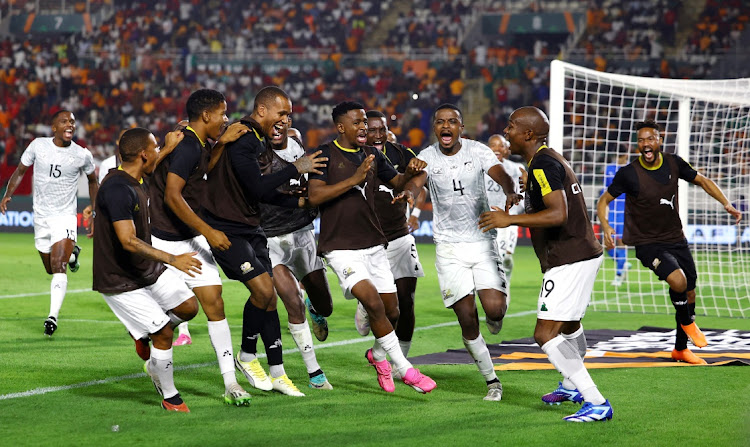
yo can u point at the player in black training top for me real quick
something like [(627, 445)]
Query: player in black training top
[(653, 226)]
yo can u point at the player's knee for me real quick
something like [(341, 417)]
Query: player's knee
[(188, 309), (677, 281), (393, 314)]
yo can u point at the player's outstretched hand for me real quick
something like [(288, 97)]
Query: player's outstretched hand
[(733, 211), (88, 222), (310, 163), (363, 169), (188, 263), (404, 196), (217, 239), (497, 218), (609, 236), (412, 223), (171, 140), (523, 179), (233, 133), (4, 204), (415, 166)]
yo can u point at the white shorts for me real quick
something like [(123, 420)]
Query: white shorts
[(464, 268), (507, 239), (403, 258), (209, 275), (297, 251), (53, 229), (353, 266), (566, 290), (143, 311)]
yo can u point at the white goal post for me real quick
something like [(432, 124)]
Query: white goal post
[(707, 123)]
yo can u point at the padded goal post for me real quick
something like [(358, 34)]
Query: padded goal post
[(707, 123)]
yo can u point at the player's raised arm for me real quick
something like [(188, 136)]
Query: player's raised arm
[(714, 191), (15, 180)]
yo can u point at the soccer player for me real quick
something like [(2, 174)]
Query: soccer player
[(235, 189), (569, 255), (352, 240), (653, 226), (467, 260), (617, 218), (59, 162), (177, 190), (402, 249), (130, 274), (507, 238), (292, 250)]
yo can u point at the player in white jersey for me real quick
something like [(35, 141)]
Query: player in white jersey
[(59, 162), (507, 238), (466, 259)]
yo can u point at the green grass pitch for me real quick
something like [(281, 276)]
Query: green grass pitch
[(74, 388)]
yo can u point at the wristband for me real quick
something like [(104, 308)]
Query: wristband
[(416, 212)]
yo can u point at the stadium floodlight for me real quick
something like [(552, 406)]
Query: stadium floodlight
[(707, 123)]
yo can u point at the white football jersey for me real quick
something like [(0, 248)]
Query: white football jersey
[(292, 152), (56, 172), (104, 167), (495, 193), (458, 191)]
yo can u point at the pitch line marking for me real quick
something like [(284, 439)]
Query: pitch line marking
[(370, 338)]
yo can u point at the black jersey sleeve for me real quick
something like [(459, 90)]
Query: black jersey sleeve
[(624, 182), (386, 171), (325, 152), (687, 172), (120, 200), (184, 159), (549, 174)]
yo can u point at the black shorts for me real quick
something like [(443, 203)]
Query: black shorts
[(664, 259), (246, 258)]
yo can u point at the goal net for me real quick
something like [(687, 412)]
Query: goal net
[(707, 123)]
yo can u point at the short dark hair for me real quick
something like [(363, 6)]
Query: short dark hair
[(376, 114), (650, 124), (448, 106), (58, 113), (132, 142), (343, 108), (202, 100), (266, 95)]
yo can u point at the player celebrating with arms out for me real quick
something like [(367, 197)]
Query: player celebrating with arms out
[(569, 255), (59, 162), (653, 226), (467, 260)]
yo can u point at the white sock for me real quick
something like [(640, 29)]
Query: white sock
[(221, 340), (378, 353), (578, 340), (389, 343), (182, 328), (246, 357), (161, 364), (405, 346), (276, 370), (481, 355), (568, 362), (303, 338), (57, 289)]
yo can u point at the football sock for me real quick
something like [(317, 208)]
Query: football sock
[(315, 373), (691, 310), (57, 289), (681, 338), (389, 343), (566, 359), (183, 328), (303, 339), (271, 335), (252, 322), (680, 303), (276, 370), (175, 400), (621, 257), (247, 357), (508, 267), (221, 340), (481, 355), (161, 364), (578, 340), (405, 346), (378, 353)]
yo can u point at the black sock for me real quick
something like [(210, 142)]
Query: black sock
[(175, 400), (680, 303), (271, 335), (252, 322), (316, 373), (681, 337), (691, 310), (495, 380)]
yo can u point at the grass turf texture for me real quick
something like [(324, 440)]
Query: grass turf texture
[(652, 406)]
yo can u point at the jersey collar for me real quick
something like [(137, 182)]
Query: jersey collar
[(140, 180), (336, 142), (661, 161), (544, 146), (196, 135)]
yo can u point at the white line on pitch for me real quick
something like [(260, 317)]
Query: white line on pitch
[(24, 295), (52, 389)]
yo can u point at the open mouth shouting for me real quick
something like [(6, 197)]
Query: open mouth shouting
[(68, 133), (362, 137), (649, 156), (278, 132), (446, 138)]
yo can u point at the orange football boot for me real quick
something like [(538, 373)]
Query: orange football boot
[(695, 335), (687, 356)]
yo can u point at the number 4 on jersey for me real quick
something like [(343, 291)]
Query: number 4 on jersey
[(459, 187)]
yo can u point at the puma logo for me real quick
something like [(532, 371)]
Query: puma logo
[(383, 188), (362, 189), (667, 202)]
